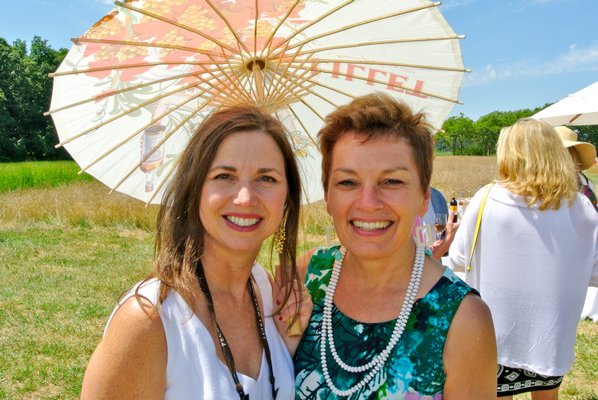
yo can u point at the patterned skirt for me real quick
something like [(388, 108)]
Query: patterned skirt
[(512, 381)]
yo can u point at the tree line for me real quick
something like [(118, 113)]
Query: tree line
[(460, 135), (25, 93), (26, 90)]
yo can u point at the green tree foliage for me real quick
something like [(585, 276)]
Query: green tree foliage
[(488, 128), (587, 134), (456, 133), (462, 136), (25, 92)]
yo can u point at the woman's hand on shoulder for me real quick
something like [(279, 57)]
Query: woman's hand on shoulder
[(130, 361), (292, 319), (470, 357)]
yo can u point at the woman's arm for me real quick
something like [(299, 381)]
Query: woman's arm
[(299, 304), (469, 356), (130, 361), (441, 247)]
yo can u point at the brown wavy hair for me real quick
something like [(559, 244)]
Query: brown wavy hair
[(179, 242)]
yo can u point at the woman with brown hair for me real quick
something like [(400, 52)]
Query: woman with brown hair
[(388, 321), (200, 326)]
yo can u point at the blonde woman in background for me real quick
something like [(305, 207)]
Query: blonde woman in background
[(536, 254)]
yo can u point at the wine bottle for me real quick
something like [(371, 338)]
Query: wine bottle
[(153, 153), (453, 206)]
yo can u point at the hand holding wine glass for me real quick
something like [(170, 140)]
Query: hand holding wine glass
[(440, 225)]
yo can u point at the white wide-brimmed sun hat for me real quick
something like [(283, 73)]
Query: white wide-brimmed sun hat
[(586, 151)]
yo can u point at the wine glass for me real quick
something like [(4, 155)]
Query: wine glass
[(440, 225)]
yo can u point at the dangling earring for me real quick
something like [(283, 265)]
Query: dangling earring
[(278, 240)]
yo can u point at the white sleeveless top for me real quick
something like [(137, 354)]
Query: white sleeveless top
[(194, 370)]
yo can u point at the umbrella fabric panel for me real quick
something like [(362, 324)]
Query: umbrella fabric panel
[(579, 108), (136, 85)]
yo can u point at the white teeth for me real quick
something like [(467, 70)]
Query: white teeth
[(243, 221), (371, 226)]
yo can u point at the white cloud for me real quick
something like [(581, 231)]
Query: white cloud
[(43, 3), (510, 6), (545, 2), (450, 4), (517, 6), (576, 59), (108, 2)]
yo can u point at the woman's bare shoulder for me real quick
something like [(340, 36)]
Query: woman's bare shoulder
[(469, 356), (131, 357)]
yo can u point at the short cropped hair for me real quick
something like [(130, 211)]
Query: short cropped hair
[(374, 116)]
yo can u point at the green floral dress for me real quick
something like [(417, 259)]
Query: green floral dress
[(414, 369)]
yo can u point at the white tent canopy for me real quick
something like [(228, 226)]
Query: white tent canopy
[(579, 108)]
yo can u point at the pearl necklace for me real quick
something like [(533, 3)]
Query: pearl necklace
[(378, 361)]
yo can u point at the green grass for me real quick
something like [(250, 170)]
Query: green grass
[(593, 176), (39, 174), (59, 284), (67, 253)]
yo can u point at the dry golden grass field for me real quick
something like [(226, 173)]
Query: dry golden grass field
[(457, 176)]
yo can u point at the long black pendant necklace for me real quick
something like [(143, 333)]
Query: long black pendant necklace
[(227, 353)]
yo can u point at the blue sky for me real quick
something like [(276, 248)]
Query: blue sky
[(522, 53)]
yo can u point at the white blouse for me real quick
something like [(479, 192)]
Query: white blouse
[(194, 370), (532, 268)]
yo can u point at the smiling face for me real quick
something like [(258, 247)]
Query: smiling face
[(374, 195), (243, 196)]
